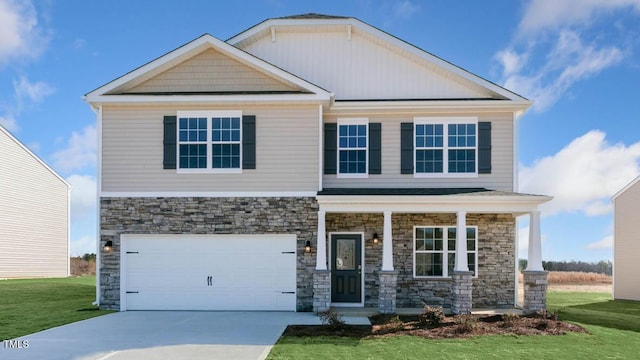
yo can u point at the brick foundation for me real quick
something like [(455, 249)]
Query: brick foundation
[(461, 290), (387, 292), (321, 290), (535, 291)]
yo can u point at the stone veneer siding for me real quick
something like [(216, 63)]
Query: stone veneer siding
[(202, 215), (494, 286)]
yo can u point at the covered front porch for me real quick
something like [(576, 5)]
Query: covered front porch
[(391, 249)]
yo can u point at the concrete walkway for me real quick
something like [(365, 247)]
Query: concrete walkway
[(164, 335)]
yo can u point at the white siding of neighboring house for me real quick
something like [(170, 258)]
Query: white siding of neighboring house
[(211, 71), (501, 177), (359, 67), (286, 152), (34, 222), (626, 267)]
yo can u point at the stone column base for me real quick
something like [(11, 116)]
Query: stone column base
[(462, 289), (535, 291), (321, 290), (387, 292)]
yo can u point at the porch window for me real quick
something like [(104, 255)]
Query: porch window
[(434, 249), (445, 146), (352, 147)]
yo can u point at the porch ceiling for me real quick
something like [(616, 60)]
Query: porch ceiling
[(431, 200)]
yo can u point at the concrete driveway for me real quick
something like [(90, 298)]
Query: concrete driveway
[(163, 335)]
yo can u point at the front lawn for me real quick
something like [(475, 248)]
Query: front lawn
[(32, 305), (614, 328)]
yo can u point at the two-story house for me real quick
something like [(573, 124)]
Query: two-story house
[(307, 162)]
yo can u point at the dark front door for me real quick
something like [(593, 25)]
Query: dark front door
[(346, 268)]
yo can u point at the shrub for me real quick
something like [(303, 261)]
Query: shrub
[(331, 318), (431, 315), (466, 324), (510, 319)]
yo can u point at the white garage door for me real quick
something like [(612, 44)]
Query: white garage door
[(209, 272)]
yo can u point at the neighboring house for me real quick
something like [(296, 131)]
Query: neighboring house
[(34, 214), (626, 242), (307, 162)]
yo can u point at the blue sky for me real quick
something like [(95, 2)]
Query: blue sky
[(579, 60)]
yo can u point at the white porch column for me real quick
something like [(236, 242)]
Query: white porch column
[(534, 262), (387, 243), (461, 243), (321, 254)]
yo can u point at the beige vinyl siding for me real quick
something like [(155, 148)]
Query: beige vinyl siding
[(211, 71), (33, 216), (357, 65), (286, 152), (626, 267), (501, 177)]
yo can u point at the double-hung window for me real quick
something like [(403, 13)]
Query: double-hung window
[(434, 249), (352, 147), (209, 141), (446, 146)]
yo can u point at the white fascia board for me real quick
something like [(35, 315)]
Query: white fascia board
[(625, 188), (401, 44), (435, 204), (205, 99), (30, 153), (211, 194), (196, 46), (450, 106)]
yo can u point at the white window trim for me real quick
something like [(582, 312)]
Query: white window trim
[(445, 252), (352, 121), (444, 121), (209, 114)]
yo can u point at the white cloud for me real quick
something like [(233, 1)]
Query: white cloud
[(20, 36), (9, 123), (405, 9), (605, 243), (542, 15), (549, 54), (83, 245), (583, 175), (35, 92), (79, 153), (83, 195)]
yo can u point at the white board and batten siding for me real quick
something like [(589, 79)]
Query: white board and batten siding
[(501, 177), (34, 215), (354, 65), (626, 266), (208, 272), (286, 152)]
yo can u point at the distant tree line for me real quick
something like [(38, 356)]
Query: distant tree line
[(600, 267)]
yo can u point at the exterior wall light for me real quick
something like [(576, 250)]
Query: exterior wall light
[(108, 246), (376, 240), (307, 246)]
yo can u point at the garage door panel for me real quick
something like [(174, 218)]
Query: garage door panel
[(247, 272)]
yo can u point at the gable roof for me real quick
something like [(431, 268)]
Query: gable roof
[(34, 156), (115, 90), (269, 28), (626, 187)]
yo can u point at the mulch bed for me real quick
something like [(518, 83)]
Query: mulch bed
[(459, 326)]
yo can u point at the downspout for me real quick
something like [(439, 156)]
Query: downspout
[(516, 290), (98, 112)]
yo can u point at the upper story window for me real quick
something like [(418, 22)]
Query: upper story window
[(434, 249), (352, 147), (209, 140), (446, 146)]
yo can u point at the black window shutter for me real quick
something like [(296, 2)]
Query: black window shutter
[(375, 148), (330, 148), (248, 141), (484, 148), (406, 148), (169, 142)]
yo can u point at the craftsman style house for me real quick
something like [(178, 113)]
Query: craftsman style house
[(307, 162), (626, 242)]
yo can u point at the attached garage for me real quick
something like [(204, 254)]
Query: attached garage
[(208, 272)]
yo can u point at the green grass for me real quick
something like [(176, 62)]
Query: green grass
[(614, 328), (32, 305)]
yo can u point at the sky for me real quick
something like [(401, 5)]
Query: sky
[(578, 60)]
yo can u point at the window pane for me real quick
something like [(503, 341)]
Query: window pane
[(451, 260), (471, 261)]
